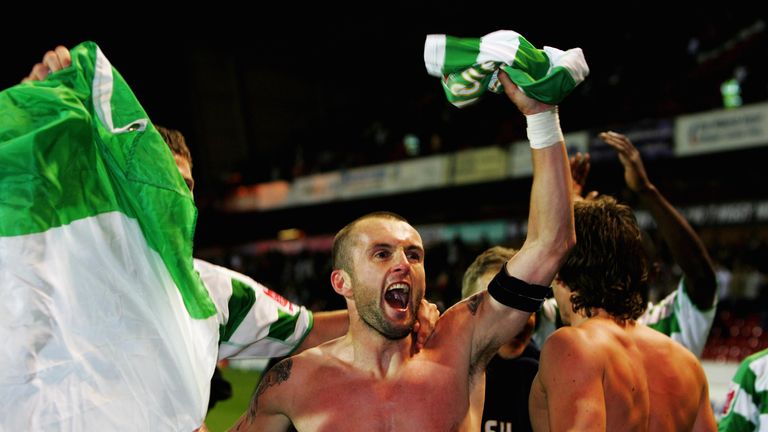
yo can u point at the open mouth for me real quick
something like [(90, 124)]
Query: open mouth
[(396, 295)]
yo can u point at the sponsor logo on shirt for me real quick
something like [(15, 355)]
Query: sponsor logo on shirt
[(282, 301)]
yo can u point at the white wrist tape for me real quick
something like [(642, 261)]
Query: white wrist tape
[(544, 129)]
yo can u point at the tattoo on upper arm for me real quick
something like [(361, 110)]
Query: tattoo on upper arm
[(277, 375), (474, 302)]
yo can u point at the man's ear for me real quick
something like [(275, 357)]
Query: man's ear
[(341, 282)]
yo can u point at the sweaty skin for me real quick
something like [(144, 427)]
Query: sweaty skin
[(605, 375)]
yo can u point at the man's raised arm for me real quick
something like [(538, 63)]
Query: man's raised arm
[(524, 281)]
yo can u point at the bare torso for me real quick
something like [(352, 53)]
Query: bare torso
[(326, 389), (341, 397), (642, 379)]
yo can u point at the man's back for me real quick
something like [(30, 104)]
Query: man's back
[(678, 389), (623, 377)]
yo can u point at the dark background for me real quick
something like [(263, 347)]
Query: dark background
[(266, 96)]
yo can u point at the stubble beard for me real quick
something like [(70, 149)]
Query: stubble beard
[(373, 317)]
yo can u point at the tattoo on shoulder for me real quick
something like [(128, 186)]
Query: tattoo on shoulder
[(276, 376), (474, 302)]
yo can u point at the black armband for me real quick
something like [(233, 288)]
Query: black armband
[(511, 291)]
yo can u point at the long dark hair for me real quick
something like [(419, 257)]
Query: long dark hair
[(607, 268)]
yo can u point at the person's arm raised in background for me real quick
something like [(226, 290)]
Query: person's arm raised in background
[(685, 245), (580, 166)]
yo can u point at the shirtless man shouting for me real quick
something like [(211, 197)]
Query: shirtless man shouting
[(372, 378)]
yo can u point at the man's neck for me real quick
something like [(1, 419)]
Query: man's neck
[(581, 316), (599, 314), (370, 350)]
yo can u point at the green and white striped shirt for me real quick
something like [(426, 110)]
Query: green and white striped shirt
[(254, 321), (470, 66), (676, 316), (745, 408)]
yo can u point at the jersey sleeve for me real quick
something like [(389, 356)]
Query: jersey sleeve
[(254, 321), (677, 317)]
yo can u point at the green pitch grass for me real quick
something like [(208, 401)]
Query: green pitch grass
[(225, 413)]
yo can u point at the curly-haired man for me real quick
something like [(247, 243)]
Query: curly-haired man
[(604, 371)]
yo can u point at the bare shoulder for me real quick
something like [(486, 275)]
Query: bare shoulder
[(274, 386), (659, 345), (285, 388), (568, 346), (574, 349), (268, 407), (282, 381), (649, 336), (570, 363)]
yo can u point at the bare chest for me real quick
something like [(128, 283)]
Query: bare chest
[(423, 397)]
